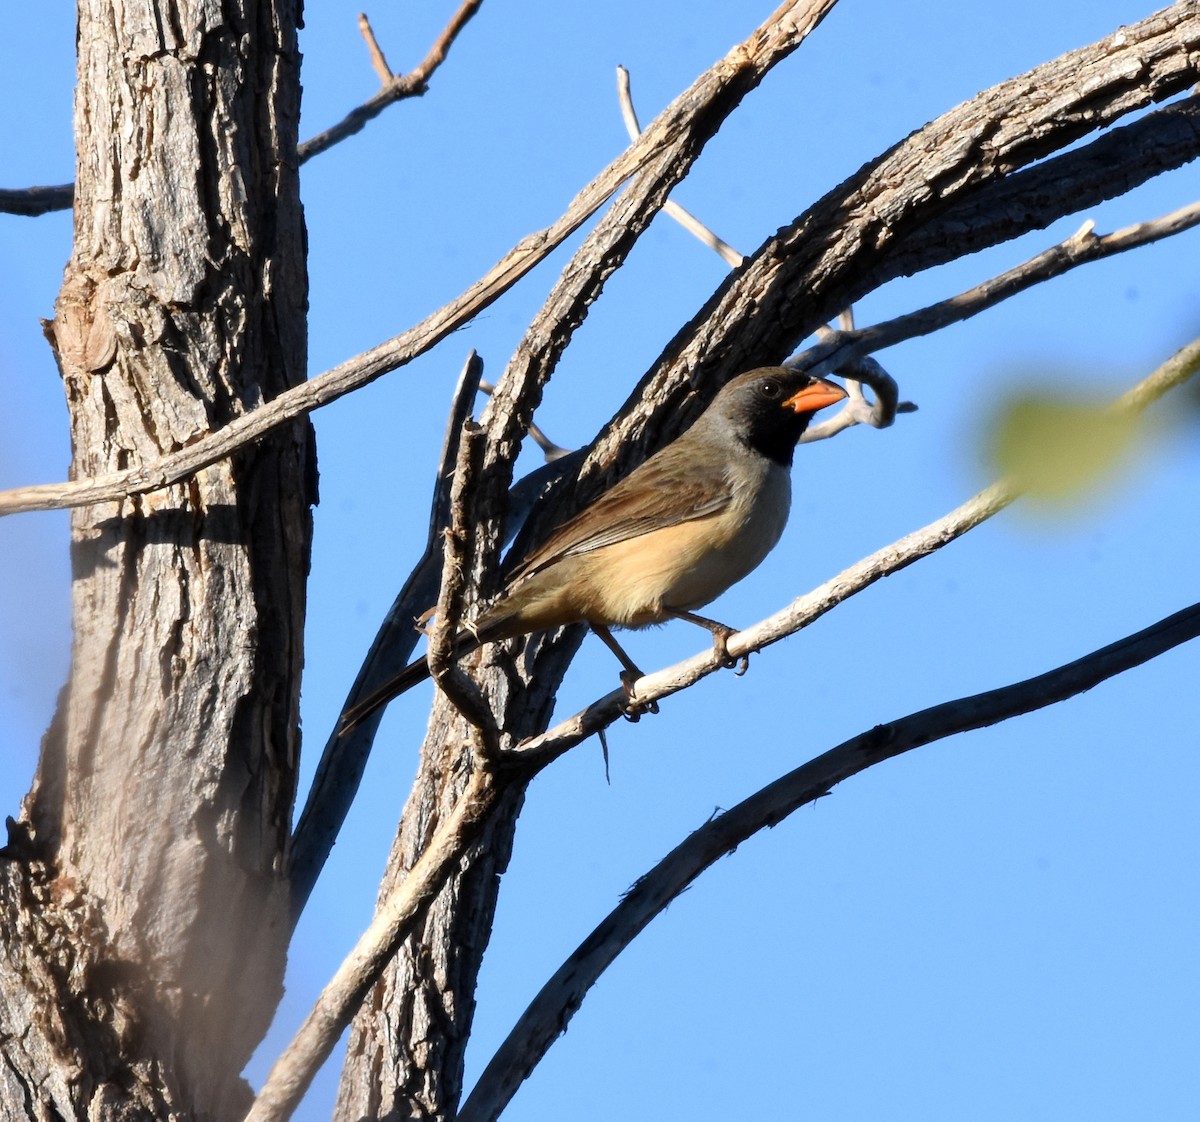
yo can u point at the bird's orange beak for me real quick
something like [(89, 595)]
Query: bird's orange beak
[(816, 396)]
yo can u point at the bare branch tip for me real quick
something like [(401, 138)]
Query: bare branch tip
[(1084, 233), (378, 61)]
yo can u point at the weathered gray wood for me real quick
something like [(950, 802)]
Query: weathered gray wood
[(161, 807)]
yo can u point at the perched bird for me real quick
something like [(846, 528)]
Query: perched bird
[(674, 534)]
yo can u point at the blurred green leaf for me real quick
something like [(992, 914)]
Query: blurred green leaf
[(1059, 448)]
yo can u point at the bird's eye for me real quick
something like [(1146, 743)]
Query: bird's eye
[(769, 388)]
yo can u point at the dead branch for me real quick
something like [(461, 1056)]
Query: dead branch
[(378, 61), (396, 87), (1112, 164), (344, 757)]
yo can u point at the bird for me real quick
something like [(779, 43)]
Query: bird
[(687, 524)]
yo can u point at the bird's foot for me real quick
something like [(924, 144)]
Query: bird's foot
[(635, 707), (721, 635)]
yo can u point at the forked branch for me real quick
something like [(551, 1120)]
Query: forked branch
[(34, 201), (395, 87)]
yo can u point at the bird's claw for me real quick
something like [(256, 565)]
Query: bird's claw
[(721, 648), (634, 710)]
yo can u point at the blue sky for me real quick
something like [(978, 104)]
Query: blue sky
[(1000, 925)]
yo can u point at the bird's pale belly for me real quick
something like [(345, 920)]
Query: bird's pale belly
[(678, 568)]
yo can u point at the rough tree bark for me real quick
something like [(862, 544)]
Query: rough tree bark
[(150, 908)]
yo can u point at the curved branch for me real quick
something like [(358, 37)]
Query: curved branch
[(547, 1016), (842, 348), (1114, 163)]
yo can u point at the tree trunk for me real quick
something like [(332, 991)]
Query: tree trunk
[(147, 918)]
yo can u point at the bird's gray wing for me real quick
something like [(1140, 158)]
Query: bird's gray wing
[(665, 491)]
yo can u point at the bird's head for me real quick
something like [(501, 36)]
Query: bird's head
[(769, 409)]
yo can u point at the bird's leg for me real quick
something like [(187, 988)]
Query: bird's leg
[(720, 634), (629, 675)]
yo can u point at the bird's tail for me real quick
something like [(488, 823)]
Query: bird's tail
[(402, 681)]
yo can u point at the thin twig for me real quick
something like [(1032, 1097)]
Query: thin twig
[(396, 87), (551, 1010), (845, 352), (689, 222), (857, 408), (550, 450), (441, 46), (378, 61), (459, 547)]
